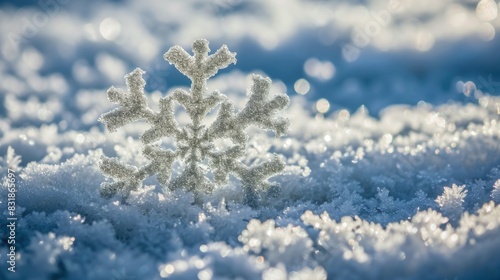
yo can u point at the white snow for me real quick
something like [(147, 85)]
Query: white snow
[(392, 160)]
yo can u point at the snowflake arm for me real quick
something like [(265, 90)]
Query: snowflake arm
[(198, 109), (223, 162), (227, 125), (133, 105), (220, 60), (129, 177), (198, 69), (124, 174), (260, 110), (193, 179), (200, 66), (162, 124), (180, 59), (161, 162), (255, 178)]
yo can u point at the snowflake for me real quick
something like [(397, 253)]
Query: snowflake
[(450, 202), (195, 142)]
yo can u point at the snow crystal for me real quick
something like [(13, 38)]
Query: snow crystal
[(451, 201), (376, 202), (495, 194), (195, 142)]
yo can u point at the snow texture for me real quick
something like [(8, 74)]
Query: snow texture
[(195, 142), (391, 107), (366, 209)]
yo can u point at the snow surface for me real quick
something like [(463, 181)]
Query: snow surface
[(393, 154)]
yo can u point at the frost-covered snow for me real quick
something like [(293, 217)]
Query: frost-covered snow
[(392, 154)]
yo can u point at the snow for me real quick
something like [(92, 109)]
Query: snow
[(392, 154)]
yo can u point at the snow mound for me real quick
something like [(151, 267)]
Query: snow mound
[(362, 198)]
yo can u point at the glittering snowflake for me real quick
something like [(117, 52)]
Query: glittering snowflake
[(451, 201), (195, 142)]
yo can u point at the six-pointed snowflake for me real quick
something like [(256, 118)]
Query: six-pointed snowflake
[(195, 142)]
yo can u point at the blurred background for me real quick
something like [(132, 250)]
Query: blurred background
[(56, 56)]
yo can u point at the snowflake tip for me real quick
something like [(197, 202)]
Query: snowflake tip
[(200, 46), (227, 55), (281, 101), (115, 95), (261, 84), (134, 79)]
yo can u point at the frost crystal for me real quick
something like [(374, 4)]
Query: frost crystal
[(451, 201), (195, 142), (12, 159), (495, 193), (290, 245)]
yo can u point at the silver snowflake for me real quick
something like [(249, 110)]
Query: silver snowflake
[(195, 142)]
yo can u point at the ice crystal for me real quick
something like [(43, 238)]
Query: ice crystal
[(451, 201), (12, 160), (357, 245), (495, 193), (290, 245), (195, 142)]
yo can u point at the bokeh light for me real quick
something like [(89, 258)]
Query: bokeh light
[(322, 106), (424, 41), (33, 58), (322, 70), (487, 31), (344, 115), (302, 86), (110, 29), (487, 10)]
